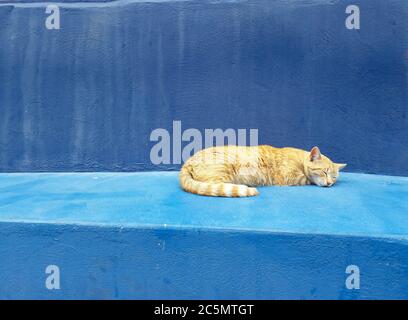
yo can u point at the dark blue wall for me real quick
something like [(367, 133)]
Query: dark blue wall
[(133, 263), (87, 96)]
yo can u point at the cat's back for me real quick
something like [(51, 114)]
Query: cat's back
[(225, 154)]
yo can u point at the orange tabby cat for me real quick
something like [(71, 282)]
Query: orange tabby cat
[(233, 171)]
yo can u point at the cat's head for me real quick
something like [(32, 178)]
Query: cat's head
[(320, 170)]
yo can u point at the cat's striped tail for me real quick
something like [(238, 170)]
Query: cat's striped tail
[(229, 190)]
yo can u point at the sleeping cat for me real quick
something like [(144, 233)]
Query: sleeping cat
[(234, 171)]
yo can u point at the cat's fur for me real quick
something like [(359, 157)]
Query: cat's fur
[(234, 171)]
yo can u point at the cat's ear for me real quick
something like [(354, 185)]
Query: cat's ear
[(315, 154), (340, 166)]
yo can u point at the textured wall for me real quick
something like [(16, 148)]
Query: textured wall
[(87, 96), (131, 263)]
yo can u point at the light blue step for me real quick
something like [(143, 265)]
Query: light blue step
[(138, 235)]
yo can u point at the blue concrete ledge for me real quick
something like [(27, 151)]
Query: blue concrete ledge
[(137, 235)]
